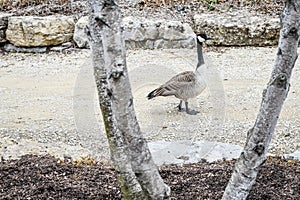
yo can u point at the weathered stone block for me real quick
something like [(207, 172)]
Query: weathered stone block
[(140, 29), (80, 36), (31, 31), (239, 29), (3, 26), (172, 30)]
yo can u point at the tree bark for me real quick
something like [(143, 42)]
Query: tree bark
[(137, 174), (259, 137)]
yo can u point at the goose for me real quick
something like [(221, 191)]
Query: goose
[(185, 85)]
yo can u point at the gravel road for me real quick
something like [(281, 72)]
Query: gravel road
[(49, 103)]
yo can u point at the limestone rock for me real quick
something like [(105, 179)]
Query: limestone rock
[(157, 34), (146, 34), (3, 26), (32, 31), (80, 37), (239, 29)]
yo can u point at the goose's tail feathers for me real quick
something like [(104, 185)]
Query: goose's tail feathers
[(161, 91), (152, 94)]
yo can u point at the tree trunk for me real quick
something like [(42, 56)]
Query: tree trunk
[(137, 174), (259, 137)]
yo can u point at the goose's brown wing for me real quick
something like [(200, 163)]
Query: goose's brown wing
[(175, 86), (181, 81), (183, 77)]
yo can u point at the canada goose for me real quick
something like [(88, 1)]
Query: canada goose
[(187, 84)]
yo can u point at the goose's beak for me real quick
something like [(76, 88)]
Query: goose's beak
[(209, 38)]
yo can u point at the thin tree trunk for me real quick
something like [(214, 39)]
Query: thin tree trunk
[(138, 176), (259, 137)]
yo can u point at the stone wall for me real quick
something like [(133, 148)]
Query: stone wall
[(230, 29)]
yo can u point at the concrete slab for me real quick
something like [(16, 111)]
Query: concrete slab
[(295, 155), (184, 151)]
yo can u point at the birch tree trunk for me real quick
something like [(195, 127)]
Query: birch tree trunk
[(259, 137), (137, 174)]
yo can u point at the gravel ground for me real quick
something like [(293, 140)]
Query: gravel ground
[(49, 105)]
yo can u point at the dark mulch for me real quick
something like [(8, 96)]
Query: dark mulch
[(44, 177), (145, 8)]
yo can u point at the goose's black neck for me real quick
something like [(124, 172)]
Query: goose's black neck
[(200, 54)]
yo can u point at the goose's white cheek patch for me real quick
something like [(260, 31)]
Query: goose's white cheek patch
[(201, 39)]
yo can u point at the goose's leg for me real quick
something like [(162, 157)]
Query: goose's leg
[(180, 106), (188, 111)]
